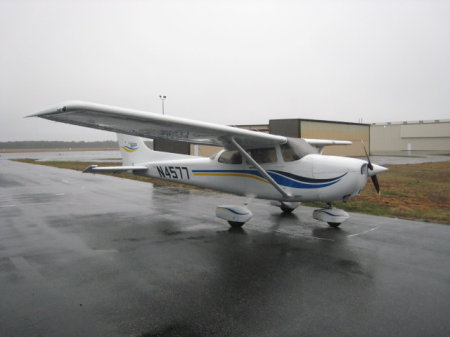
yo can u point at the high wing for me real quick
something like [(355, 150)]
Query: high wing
[(151, 125)]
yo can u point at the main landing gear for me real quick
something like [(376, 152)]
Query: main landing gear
[(286, 207), (236, 224), (236, 215)]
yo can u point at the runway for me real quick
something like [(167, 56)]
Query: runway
[(91, 255)]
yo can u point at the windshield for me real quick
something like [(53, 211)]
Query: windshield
[(295, 149)]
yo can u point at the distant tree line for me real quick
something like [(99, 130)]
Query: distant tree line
[(57, 145)]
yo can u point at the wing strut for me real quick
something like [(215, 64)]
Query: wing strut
[(260, 169)]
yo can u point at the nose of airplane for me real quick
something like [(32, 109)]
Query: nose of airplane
[(376, 169)]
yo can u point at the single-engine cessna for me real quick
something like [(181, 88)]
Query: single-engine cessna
[(285, 170)]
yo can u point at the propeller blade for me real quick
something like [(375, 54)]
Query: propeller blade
[(375, 170), (369, 163), (375, 183)]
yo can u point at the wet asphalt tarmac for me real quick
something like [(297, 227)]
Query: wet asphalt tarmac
[(91, 255)]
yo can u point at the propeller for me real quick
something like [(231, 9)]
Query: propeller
[(375, 183), (371, 167)]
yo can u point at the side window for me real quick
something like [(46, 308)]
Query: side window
[(262, 156), (230, 157), (288, 153)]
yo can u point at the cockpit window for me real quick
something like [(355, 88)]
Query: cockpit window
[(230, 157), (261, 156), (295, 149), (288, 153)]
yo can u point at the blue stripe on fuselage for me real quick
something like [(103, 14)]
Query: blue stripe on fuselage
[(284, 178)]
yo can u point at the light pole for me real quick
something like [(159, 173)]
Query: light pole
[(163, 98)]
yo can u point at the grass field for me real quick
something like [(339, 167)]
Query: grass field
[(416, 192)]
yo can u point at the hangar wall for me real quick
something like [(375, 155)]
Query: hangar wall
[(379, 138), (204, 150), (433, 135), (339, 131)]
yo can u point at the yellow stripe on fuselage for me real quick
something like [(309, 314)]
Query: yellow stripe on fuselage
[(232, 175)]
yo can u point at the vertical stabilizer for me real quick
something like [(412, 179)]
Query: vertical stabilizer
[(135, 152)]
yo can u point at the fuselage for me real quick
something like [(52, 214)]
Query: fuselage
[(313, 177)]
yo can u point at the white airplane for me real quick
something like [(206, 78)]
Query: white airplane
[(286, 170)]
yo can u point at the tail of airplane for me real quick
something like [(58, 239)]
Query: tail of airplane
[(134, 151)]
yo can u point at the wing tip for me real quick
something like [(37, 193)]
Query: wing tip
[(60, 107), (90, 169)]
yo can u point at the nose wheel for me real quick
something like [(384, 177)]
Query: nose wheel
[(331, 215), (286, 207)]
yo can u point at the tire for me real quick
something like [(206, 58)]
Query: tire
[(236, 224), (286, 210), (334, 224)]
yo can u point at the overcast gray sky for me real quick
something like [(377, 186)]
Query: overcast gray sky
[(229, 62)]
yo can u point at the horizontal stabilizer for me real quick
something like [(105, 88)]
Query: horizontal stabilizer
[(326, 142), (321, 143), (114, 169)]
